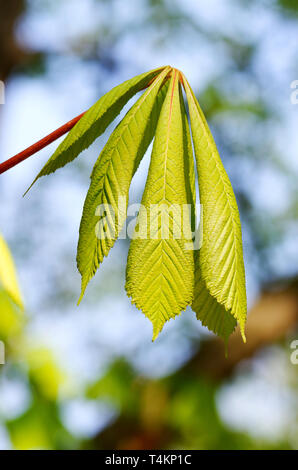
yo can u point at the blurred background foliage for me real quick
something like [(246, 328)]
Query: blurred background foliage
[(90, 377)]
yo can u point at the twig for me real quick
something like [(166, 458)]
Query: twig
[(20, 157), (11, 162)]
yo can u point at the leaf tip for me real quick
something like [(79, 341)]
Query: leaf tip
[(82, 294), (156, 331), (242, 331), (27, 190), (154, 336), (25, 193)]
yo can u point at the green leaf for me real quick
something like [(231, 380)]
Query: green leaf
[(220, 266), (211, 313), (111, 178), (95, 121), (11, 316), (8, 277), (159, 276), (189, 168)]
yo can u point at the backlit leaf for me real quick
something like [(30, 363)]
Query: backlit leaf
[(220, 261), (95, 121), (159, 276), (111, 178)]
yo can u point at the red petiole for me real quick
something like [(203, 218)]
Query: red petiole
[(20, 157)]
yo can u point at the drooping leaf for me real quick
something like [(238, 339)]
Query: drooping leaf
[(189, 170), (220, 261), (111, 178), (209, 311), (159, 276), (161, 271), (95, 121)]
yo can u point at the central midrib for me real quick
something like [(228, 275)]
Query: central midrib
[(168, 133)]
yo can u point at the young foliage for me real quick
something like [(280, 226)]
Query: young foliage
[(220, 261), (111, 178), (160, 270), (95, 121), (166, 272)]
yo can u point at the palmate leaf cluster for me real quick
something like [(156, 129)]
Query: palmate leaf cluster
[(164, 275)]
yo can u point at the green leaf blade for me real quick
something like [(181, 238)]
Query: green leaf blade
[(111, 178), (95, 121), (8, 276), (209, 311), (221, 263), (159, 277), (189, 169)]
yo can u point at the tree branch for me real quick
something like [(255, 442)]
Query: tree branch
[(20, 157)]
